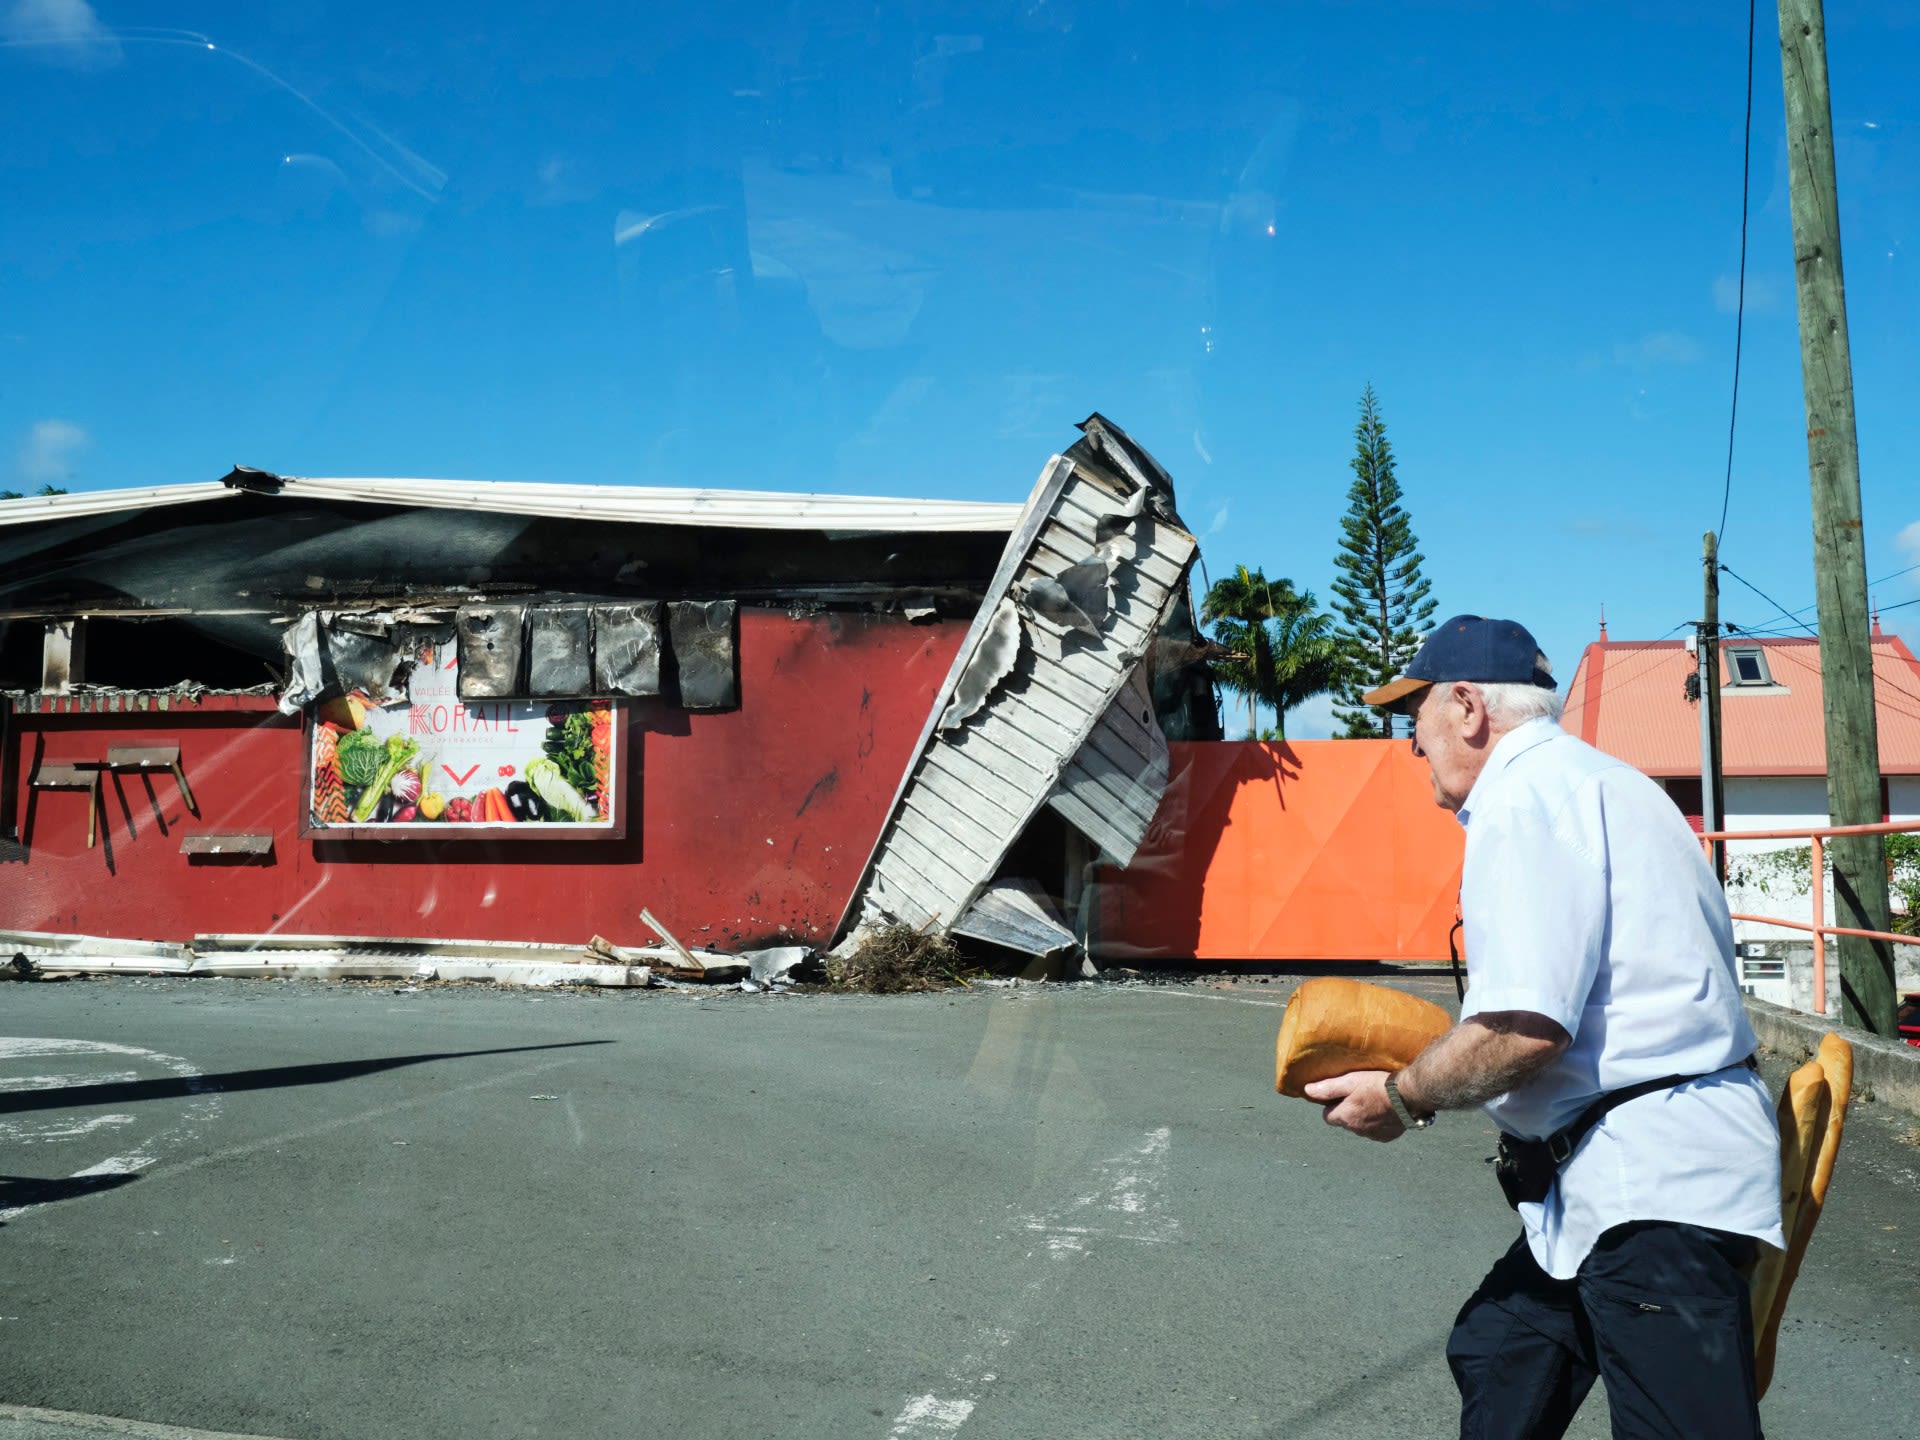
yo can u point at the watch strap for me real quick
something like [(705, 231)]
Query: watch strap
[(1401, 1109)]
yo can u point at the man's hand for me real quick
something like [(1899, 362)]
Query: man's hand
[(1470, 1064), (1357, 1101)]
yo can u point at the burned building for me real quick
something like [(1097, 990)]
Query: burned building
[(410, 708)]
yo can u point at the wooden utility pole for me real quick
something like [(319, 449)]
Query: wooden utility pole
[(1713, 757), (1839, 560)]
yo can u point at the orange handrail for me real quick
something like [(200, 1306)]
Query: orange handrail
[(1817, 838)]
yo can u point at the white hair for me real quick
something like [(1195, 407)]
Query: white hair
[(1509, 705)]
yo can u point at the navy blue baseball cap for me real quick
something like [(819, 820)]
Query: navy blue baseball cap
[(1468, 647)]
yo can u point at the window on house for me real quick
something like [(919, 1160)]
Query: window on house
[(1747, 665)]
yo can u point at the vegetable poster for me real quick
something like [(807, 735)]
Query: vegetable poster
[(441, 766)]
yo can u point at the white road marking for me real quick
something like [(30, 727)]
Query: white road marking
[(22, 1132), (573, 1122), (929, 1415), (14, 1047), (178, 1124), (12, 1083), (1172, 994), (113, 1425), (1126, 1203), (378, 1112), (146, 1160)]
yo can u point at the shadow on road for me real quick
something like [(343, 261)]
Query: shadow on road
[(125, 1092), (21, 1191)]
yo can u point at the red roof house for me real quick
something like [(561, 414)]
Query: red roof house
[(1628, 698)]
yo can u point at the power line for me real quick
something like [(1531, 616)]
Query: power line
[(1729, 570), (1895, 575), (1888, 693), (1870, 584), (1740, 304)]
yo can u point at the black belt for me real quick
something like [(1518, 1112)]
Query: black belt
[(1526, 1169)]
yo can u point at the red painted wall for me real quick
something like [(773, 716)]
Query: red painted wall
[(743, 826), (1311, 850)]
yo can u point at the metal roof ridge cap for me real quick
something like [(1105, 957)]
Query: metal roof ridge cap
[(685, 493), (768, 510)]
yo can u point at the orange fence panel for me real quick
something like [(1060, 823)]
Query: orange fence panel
[(1307, 850)]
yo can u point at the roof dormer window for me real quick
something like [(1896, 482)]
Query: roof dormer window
[(1747, 665)]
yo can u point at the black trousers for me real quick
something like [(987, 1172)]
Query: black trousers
[(1659, 1310)]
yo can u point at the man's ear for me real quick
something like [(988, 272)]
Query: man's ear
[(1475, 723)]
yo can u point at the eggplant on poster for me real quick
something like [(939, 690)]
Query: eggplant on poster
[(442, 767)]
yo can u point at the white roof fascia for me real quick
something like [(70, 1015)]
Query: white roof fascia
[(621, 504), (105, 502), (741, 509)]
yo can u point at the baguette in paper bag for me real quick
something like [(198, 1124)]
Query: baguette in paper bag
[(1813, 1116)]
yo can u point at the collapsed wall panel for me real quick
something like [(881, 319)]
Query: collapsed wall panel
[(1016, 913), (1110, 791), (1056, 711)]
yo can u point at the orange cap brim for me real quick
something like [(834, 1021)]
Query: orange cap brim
[(1394, 693)]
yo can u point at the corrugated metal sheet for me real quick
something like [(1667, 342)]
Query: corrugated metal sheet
[(1627, 699), (742, 509), (1110, 791), (1050, 731), (1016, 914), (107, 502)]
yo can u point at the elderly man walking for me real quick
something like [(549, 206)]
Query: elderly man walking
[(1603, 1032)]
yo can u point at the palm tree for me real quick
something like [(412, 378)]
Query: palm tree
[(1283, 648), (1306, 660), (1238, 607)]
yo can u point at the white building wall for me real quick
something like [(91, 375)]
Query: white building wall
[(1798, 803), (1782, 803)]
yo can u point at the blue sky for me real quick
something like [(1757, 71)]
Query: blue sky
[(902, 249)]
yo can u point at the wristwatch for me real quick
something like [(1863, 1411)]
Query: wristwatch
[(1407, 1117)]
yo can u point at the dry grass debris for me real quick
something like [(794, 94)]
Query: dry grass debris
[(896, 960)]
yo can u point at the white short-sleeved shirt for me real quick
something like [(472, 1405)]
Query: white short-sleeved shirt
[(1586, 899)]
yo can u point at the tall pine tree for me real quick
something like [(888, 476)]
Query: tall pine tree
[(1380, 594)]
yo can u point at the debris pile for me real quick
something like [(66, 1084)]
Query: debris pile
[(27, 955), (895, 959)]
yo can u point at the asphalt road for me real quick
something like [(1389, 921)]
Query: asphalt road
[(331, 1213)]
